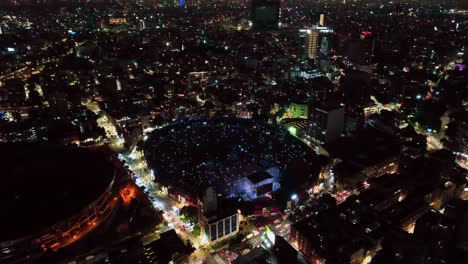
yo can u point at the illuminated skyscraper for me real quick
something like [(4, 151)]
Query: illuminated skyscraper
[(317, 42), (312, 43), (265, 14), (322, 20)]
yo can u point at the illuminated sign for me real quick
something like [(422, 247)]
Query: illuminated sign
[(320, 29), (323, 29), (117, 20)]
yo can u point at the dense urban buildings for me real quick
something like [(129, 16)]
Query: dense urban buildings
[(263, 131)]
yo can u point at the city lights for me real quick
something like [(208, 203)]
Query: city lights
[(142, 131)]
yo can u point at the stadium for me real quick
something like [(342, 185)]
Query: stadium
[(53, 196), (238, 157)]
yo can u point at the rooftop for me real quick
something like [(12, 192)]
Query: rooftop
[(367, 148), (328, 233), (164, 249)]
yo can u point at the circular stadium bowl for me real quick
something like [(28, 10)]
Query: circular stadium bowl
[(51, 197), (192, 154)]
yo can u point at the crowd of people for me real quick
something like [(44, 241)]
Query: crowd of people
[(199, 152)]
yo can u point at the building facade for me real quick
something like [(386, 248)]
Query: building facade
[(220, 229), (217, 219), (326, 124), (318, 42)]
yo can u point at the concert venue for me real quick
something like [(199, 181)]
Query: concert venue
[(238, 157), (51, 197)]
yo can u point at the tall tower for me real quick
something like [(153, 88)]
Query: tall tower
[(322, 20), (312, 39), (317, 41)]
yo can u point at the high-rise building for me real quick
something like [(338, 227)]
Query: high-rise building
[(322, 20), (318, 42), (312, 43), (265, 14), (326, 124), (217, 219)]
